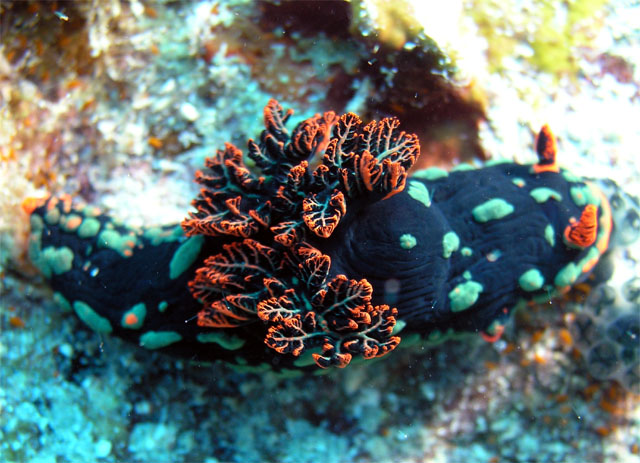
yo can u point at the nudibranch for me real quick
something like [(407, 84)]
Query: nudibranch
[(318, 248)]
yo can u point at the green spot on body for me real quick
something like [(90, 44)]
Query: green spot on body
[(550, 235), (70, 222), (89, 228), (466, 275), (450, 244), (163, 306), (90, 211), (463, 168), (570, 177), (418, 191), (36, 223), (466, 251), (159, 235), (493, 209), (531, 280), (91, 318), (464, 295), (497, 162), (134, 317), (519, 182), (62, 302), (543, 194), (52, 216), (122, 244), (159, 339), (567, 275), (185, 255), (583, 195), (432, 173), (407, 241), (399, 326), (56, 260), (226, 341)]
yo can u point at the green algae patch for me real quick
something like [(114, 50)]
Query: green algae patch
[(91, 318), (134, 317), (450, 244), (543, 194), (158, 339), (185, 255), (419, 192), (493, 209), (89, 228), (531, 280), (432, 173), (225, 340), (464, 295)]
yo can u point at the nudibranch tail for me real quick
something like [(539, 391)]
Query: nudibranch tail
[(325, 249)]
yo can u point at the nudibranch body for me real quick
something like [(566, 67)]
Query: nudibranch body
[(324, 249)]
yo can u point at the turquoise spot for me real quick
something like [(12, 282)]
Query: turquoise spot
[(159, 339), (56, 260), (91, 318), (497, 162), (466, 275), (582, 195), (52, 216), (450, 244), (432, 173), (493, 209), (225, 340), (36, 223), (89, 228), (519, 182), (550, 235), (531, 280), (466, 251), (570, 177), (407, 241), (463, 168), (185, 255), (543, 194), (122, 244), (464, 295), (418, 191), (134, 317), (163, 306), (62, 302), (567, 275), (159, 235)]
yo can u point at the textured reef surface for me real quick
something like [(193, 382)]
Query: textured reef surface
[(487, 336)]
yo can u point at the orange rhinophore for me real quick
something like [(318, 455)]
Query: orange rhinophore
[(582, 233), (546, 149)]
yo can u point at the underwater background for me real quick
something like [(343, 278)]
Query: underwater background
[(118, 103)]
